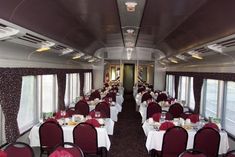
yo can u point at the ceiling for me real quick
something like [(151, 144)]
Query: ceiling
[(165, 28)]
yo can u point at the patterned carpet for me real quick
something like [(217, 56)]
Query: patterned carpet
[(128, 139)]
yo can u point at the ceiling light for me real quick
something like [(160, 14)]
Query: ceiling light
[(66, 51), (196, 56), (130, 6), (130, 31), (91, 60), (129, 52), (45, 46), (87, 57), (173, 60), (78, 55), (216, 47), (7, 32), (182, 57), (130, 44)]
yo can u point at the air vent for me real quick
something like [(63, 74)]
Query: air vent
[(31, 38), (202, 50), (227, 43), (58, 47)]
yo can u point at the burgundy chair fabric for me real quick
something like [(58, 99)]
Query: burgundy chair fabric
[(156, 117), (166, 125), (174, 142), (185, 115), (194, 118), (103, 107), (146, 96), (153, 108), (73, 149), (207, 141), (192, 153), (168, 115), (230, 153), (211, 125), (141, 89), (85, 136), (50, 134), (176, 110), (161, 97), (19, 149), (94, 95), (93, 122), (2, 153), (70, 111), (82, 107), (111, 95)]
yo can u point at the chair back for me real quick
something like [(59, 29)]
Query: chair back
[(141, 89), (50, 135), (70, 111), (174, 141), (103, 107), (111, 95), (161, 97), (207, 141), (73, 149), (19, 149), (94, 95), (146, 96), (176, 110), (185, 115), (211, 125), (82, 107), (230, 153), (192, 153), (97, 114), (153, 108), (85, 136), (168, 115)]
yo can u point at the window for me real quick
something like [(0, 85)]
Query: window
[(211, 97), (170, 85), (87, 82), (2, 127), (72, 88), (229, 109), (28, 107), (183, 88), (47, 93), (191, 102)]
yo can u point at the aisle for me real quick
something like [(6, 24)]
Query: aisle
[(128, 138)]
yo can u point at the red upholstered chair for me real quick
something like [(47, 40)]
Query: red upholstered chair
[(82, 107), (73, 149), (85, 136), (207, 141), (153, 108), (111, 95), (230, 153), (103, 107), (94, 95), (168, 115), (176, 110), (94, 114), (166, 125), (185, 115), (19, 149), (156, 117), (50, 134), (211, 125), (146, 96), (162, 97), (192, 153), (174, 142), (141, 89), (71, 111)]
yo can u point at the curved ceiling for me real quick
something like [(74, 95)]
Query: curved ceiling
[(90, 25)]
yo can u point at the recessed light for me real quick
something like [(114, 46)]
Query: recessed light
[(130, 6), (130, 31)]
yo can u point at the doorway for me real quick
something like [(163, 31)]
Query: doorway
[(128, 79)]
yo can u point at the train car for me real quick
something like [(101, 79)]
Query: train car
[(118, 68)]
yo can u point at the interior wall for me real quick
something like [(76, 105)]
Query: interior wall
[(98, 75)]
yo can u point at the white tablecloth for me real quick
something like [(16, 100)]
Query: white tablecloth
[(114, 110), (119, 99), (103, 138), (155, 138)]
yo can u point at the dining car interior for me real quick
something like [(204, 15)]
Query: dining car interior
[(117, 78)]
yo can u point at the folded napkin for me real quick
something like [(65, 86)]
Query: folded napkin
[(212, 125), (93, 122), (93, 114), (61, 153), (156, 117), (166, 125), (58, 115), (194, 118), (3, 154)]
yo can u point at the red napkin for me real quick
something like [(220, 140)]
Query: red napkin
[(92, 114), (156, 117), (51, 120), (58, 115), (166, 125), (211, 125), (62, 153), (3, 154), (93, 122), (194, 118)]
